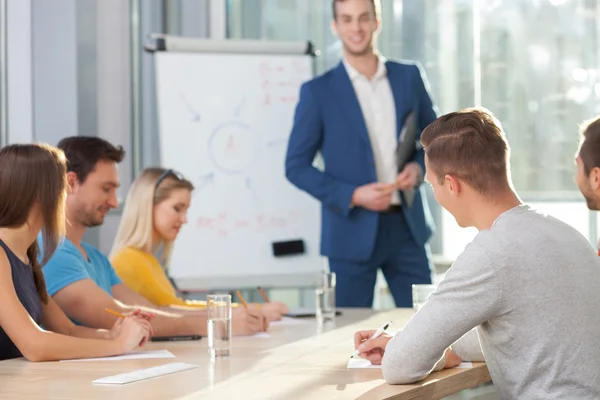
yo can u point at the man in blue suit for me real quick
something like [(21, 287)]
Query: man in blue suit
[(373, 212)]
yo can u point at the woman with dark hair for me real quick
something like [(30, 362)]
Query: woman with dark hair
[(32, 199)]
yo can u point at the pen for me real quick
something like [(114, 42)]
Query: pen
[(377, 333), (175, 338), (239, 295), (114, 313), (263, 294)]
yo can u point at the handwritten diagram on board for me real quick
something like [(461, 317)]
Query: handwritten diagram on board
[(225, 120)]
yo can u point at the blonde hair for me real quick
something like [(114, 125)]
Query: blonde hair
[(152, 187)]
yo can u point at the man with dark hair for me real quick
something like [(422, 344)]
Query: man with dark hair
[(374, 213), (588, 163), (526, 287), (81, 279), (84, 152)]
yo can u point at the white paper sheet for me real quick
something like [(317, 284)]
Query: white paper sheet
[(360, 363), (263, 335), (134, 355), (285, 321)]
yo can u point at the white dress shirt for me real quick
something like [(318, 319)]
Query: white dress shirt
[(379, 111)]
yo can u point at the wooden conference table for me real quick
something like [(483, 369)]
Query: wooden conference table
[(300, 359)]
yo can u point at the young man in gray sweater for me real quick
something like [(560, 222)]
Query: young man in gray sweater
[(528, 286)]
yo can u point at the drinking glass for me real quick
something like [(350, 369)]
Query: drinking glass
[(325, 296), (420, 294), (219, 324)]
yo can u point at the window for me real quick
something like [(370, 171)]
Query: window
[(534, 63)]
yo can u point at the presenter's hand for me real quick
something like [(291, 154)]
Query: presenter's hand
[(371, 350), (409, 177), (373, 196)]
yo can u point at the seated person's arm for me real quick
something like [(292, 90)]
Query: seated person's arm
[(37, 344), (469, 295), (55, 320), (85, 302), (468, 347), (142, 287)]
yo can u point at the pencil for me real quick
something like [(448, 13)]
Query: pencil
[(389, 189), (114, 313), (239, 295), (263, 294)]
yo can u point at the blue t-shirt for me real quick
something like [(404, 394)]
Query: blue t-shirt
[(67, 265)]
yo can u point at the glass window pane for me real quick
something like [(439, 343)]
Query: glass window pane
[(575, 214), (539, 65), (455, 238), (534, 63)]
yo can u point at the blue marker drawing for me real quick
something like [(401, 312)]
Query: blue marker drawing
[(251, 188), (204, 180), (195, 115), (238, 109)]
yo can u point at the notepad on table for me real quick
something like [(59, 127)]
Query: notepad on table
[(302, 312), (134, 355), (362, 363), (263, 335), (465, 364), (284, 321), (143, 374)]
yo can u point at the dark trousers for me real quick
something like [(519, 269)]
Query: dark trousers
[(402, 261)]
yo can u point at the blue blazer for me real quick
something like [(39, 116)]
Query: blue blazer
[(329, 119)]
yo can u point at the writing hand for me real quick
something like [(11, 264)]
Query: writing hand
[(371, 350)]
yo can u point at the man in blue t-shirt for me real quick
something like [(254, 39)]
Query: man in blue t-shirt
[(82, 281), (68, 265)]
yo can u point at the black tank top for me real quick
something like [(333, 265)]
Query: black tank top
[(22, 277)]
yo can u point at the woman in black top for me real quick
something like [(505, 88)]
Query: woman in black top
[(32, 198)]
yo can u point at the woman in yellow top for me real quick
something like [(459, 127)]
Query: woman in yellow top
[(155, 209)]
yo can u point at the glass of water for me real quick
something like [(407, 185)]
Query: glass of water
[(420, 294), (325, 296), (219, 324)]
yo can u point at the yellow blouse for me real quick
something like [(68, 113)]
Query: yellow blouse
[(143, 273)]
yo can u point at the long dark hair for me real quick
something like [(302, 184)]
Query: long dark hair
[(30, 175)]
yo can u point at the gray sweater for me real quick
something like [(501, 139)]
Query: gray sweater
[(531, 287)]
